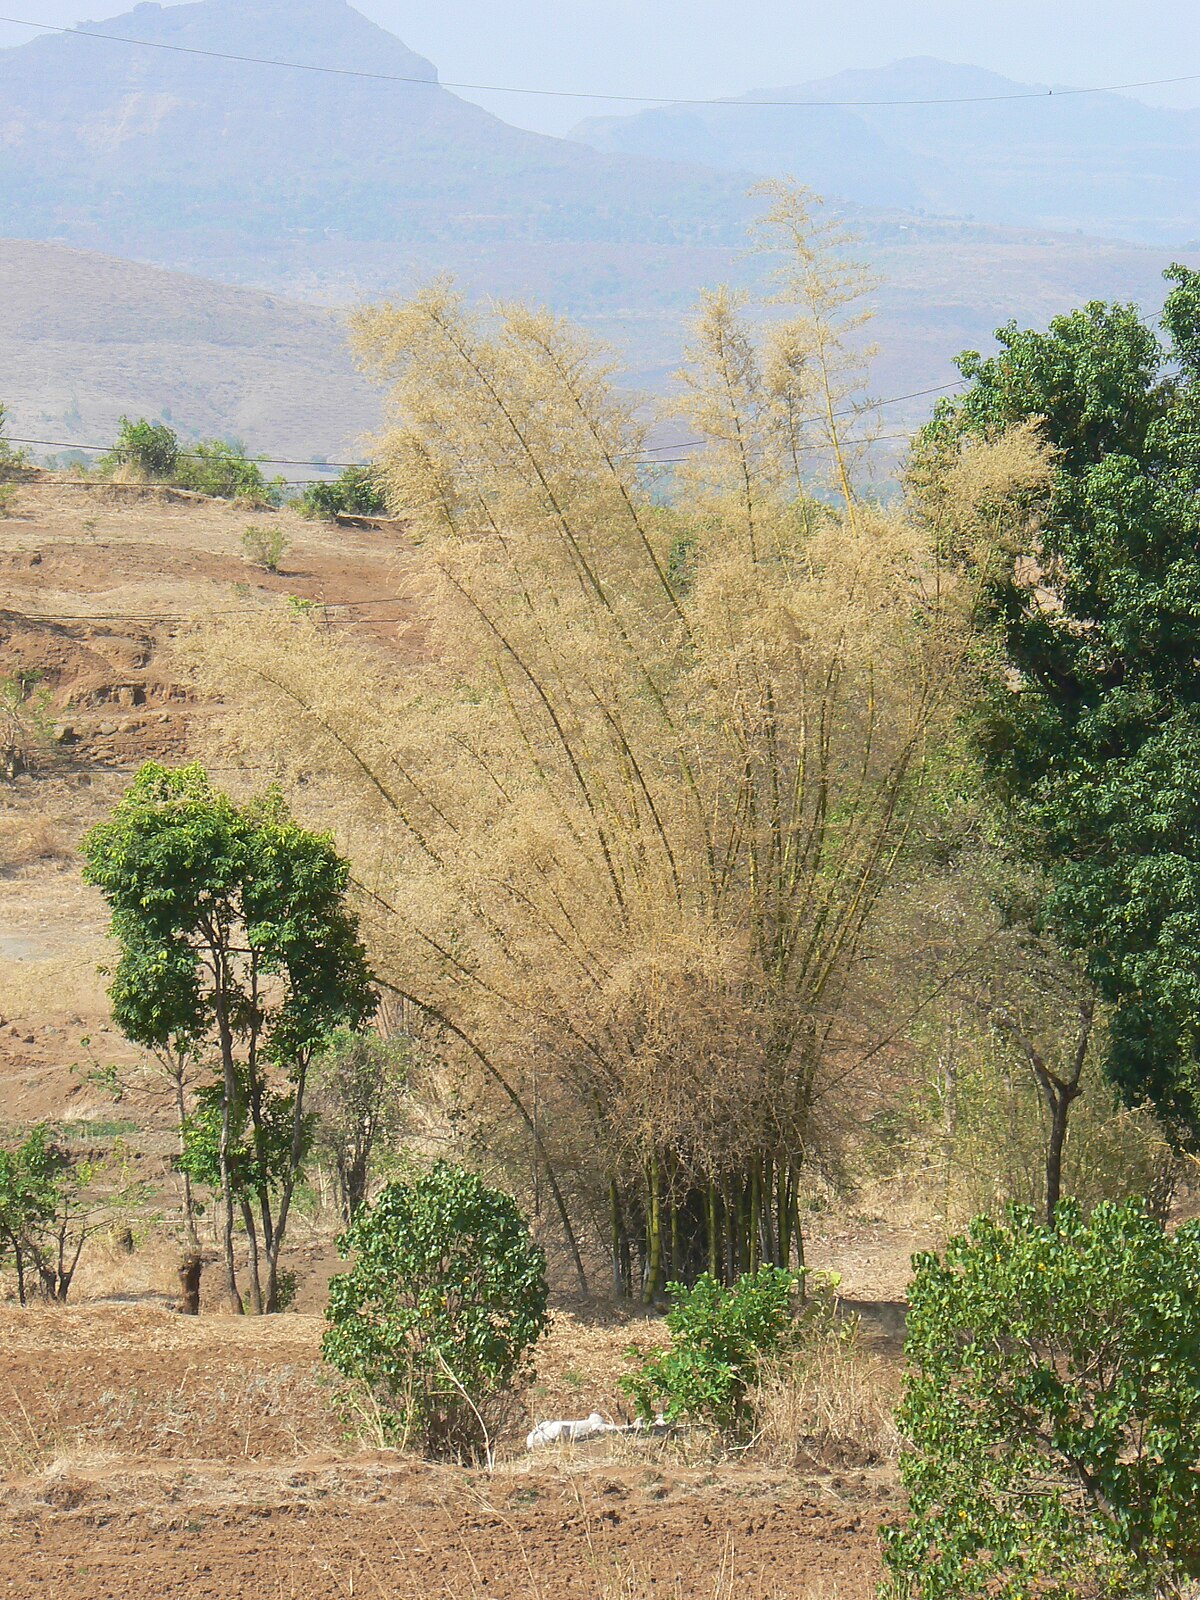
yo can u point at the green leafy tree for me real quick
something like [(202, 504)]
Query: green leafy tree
[(1051, 1406), (150, 448), (234, 935), (223, 469), (436, 1318), (29, 1176), (358, 492), (720, 1338), (360, 1084), (52, 1201), (1089, 717), (216, 467)]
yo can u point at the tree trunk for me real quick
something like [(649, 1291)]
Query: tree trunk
[(622, 1275), (276, 1232), (232, 1293), (1060, 1093), (654, 1241), (175, 1068), (1060, 1109), (714, 1233), (256, 1293), (190, 1269)]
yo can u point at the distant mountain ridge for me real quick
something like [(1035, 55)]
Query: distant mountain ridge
[(207, 163), (332, 189), (86, 338), (1103, 163)]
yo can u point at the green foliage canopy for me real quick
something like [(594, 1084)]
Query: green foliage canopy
[(1052, 1407), (720, 1337), (357, 493), (150, 447), (209, 899), (1089, 722), (214, 467), (234, 933), (445, 1299), (30, 1173)]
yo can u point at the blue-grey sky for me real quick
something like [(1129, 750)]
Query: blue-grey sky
[(716, 47)]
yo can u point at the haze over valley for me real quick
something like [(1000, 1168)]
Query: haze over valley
[(332, 189)]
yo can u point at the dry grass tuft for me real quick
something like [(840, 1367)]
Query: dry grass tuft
[(835, 1405), (26, 840)]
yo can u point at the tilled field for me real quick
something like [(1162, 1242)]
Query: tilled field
[(149, 1456)]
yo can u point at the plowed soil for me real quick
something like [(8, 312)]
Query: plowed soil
[(149, 1455)]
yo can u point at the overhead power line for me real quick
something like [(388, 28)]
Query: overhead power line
[(592, 94), (647, 450), (193, 455)]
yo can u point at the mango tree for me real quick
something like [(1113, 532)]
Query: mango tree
[(235, 938)]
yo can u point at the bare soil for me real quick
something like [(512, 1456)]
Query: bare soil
[(148, 1455)]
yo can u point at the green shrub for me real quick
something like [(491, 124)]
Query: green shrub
[(150, 448), (720, 1340), (264, 546), (357, 493), (1052, 1410), (434, 1321), (14, 463), (27, 730), (213, 467), (224, 470)]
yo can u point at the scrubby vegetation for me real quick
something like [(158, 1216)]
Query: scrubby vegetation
[(737, 852), (264, 546), (152, 452), (1051, 1408), (358, 492), (27, 731), (443, 1303), (721, 1340)]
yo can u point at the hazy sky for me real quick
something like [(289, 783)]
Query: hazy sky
[(714, 47)]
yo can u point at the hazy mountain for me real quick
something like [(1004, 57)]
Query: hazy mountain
[(330, 188), (230, 166), (1100, 162), (85, 338)]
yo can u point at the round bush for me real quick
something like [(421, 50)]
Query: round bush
[(1052, 1411), (437, 1315)]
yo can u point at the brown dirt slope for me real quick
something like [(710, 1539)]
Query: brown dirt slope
[(95, 583)]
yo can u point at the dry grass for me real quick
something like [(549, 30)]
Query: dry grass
[(27, 840), (27, 1445), (67, 985), (273, 1414), (834, 1405)]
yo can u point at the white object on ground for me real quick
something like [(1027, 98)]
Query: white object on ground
[(593, 1427), (546, 1433)]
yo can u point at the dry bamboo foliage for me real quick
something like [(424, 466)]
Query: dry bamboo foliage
[(630, 836)]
